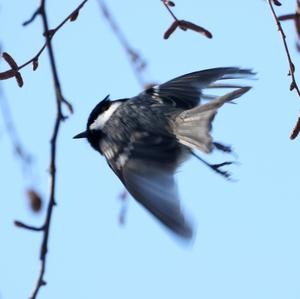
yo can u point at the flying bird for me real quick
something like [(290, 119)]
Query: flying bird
[(147, 137)]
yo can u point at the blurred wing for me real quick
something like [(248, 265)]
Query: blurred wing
[(156, 190), (147, 174), (185, 91)]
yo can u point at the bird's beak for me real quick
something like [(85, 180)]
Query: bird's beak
[(81, 135)]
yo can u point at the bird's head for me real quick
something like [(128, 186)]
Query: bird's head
[(96, 121)]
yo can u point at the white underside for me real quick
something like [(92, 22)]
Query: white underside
[(101, 120)]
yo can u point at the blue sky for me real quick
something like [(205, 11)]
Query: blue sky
[(247, 243)]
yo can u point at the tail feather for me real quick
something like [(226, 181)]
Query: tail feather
[(193, 130), (192, 127)]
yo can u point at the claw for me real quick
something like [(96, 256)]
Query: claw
[(216, 167)]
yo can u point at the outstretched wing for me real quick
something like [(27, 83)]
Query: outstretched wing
[(186, 91), (156, 190), (146, 168)]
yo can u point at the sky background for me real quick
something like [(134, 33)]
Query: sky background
[(247, 243)]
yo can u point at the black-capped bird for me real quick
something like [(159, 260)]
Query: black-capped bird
[(145, 138)]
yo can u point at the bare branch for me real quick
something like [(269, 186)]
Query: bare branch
[(185, 25), (293, 85), (49, 33), (29, 227), (138, 64), (33, 17), (287, 17), (295, 17), (52, 170), (34, 197), (182, 24), (167, 6)]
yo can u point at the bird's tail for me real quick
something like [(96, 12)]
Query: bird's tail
[(192, 127)]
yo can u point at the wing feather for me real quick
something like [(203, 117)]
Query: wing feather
[(156, 190), (147, 172), (186, 91)]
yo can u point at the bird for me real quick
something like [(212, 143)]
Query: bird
[(147, 137)]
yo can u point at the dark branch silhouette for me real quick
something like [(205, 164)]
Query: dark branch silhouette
[(49, 34), (45, 228), (182, 24), (293, 85)]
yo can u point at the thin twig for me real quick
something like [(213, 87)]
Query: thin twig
[(29, 227), (137, 63), (49, 34), (169, 10), (33, 17), (294, 84), (182, 24), (288, 17), (53, 141), (60, 100)]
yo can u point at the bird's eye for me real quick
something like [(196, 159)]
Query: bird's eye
[(105, 107)]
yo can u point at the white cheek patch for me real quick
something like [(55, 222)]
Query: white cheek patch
[(100, 121)]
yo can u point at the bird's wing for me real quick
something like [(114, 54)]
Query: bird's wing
[(185, 91), (156, 190), (147, 174)]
